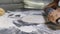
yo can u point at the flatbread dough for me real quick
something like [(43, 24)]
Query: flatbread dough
[(33, 19)]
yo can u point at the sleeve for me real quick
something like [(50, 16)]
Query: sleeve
[(48, 10)]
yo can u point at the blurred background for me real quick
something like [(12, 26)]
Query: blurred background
[(11, 4), (36, 4), (17, 4)]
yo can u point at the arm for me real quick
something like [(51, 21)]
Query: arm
[(54, 4), (51, 6)]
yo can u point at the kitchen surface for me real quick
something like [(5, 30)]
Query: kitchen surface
[(27, 20)]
